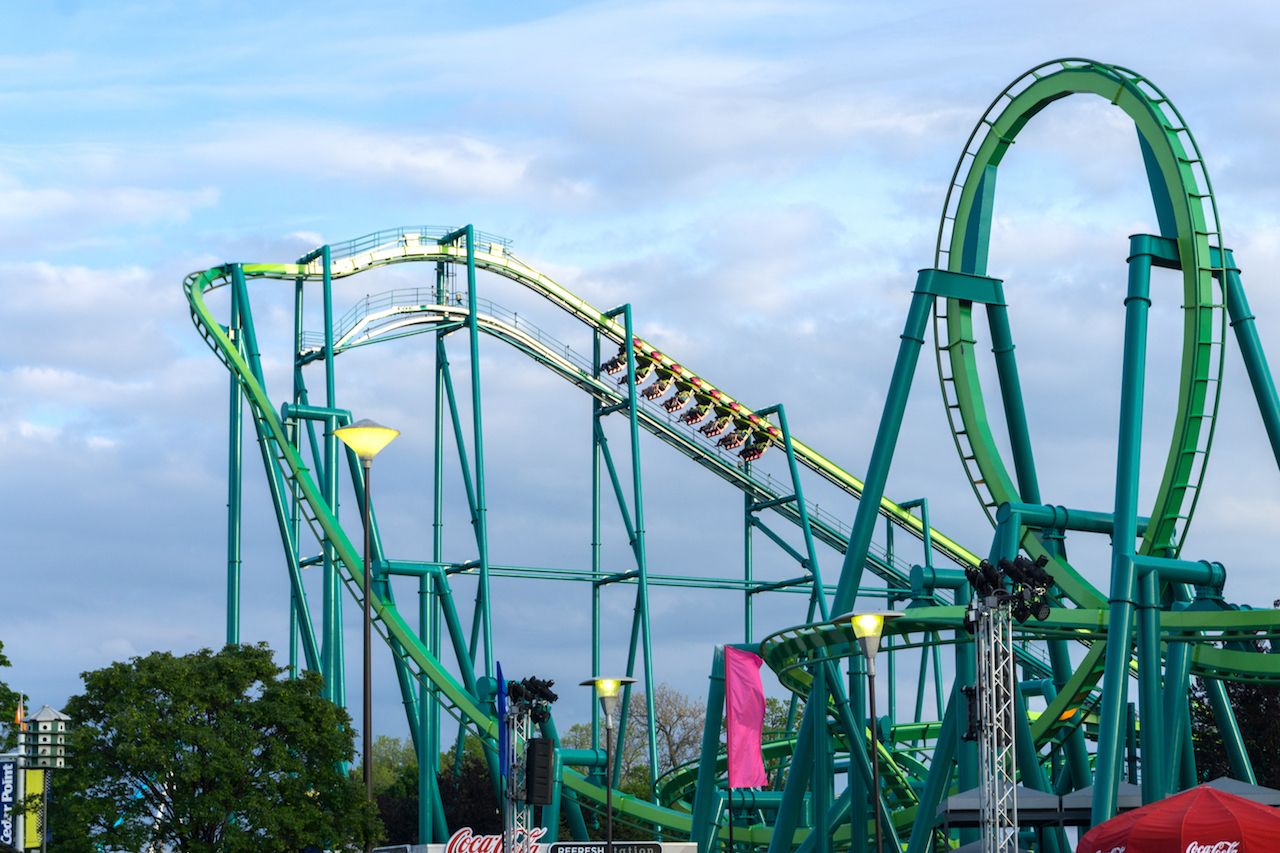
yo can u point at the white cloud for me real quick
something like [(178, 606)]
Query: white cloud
[(439, 163), (72, 207)]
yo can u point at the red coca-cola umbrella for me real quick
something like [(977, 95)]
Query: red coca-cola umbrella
[(1201, 820)]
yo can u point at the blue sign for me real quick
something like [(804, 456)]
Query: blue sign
[(8, 795)]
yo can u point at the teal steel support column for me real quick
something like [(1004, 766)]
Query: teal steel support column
[(873, 486), (1255, 360), (428, 748), (275, 478), (331, 626), (1187, 776), (704, 795), (1177, 675), (1229, 729), (624, 711), (1011, 393), (784, 825), (428, 622), (1077, 751), (859, 790), (642, 563), (552, 811), (295, 509), (821, 770), (1115, 676), (859, 542), (938, 781), (235, 455), (802, 509), (597, 570), (481, 520), (1155, 744), (573, 816), (859, 756), (1030, 769), (1131, 741), (293, 637)]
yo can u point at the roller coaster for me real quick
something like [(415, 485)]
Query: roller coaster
[(1162, 621)]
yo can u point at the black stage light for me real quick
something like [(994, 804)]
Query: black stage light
[(992, 577)]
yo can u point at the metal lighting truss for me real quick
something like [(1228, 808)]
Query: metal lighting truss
[(517, 812), (997, 788)]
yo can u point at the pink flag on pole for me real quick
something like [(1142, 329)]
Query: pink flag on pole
[(744, 718)]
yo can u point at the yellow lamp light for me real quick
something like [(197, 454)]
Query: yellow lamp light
[(868, 628), (607, 691), (366, 438), (868, 625)]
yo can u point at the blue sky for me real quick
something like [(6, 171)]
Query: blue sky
[(760, 180)]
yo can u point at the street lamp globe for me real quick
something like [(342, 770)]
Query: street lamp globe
[(609, 692), (366, 438)]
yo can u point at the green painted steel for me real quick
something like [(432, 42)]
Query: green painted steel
[(1163, 618)]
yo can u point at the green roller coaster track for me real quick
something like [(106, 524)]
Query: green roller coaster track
[(1162, 620)]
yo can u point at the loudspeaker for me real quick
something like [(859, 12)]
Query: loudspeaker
[(539, 762)]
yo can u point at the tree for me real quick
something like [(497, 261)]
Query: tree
[(208, 752), (8, 705), (395, 786), (1257, 710), (466, 789), (392, 757), (468, 796), (678, 722)]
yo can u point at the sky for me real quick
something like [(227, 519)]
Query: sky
[(759, 180)]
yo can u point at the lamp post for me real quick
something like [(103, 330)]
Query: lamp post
[(366, 439), (868, 628), (607, 691)]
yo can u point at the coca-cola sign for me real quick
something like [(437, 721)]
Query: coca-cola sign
[(464, 841), (1214, 847), (1119, 849)]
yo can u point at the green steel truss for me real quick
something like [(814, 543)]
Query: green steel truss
[(1162, 620)]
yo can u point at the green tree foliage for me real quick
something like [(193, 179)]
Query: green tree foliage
[(392, 757), (466, 790), (1257, 710), (468, 795), (8, 706), (207, 753), (395, 786)]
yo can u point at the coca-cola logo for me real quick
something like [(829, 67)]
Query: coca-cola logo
[(1215, 847), (1119, 849), (464, 841)]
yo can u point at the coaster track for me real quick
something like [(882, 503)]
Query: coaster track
[(1184, 627)]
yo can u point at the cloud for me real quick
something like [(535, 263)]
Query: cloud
[(438, 163), (109, 322)]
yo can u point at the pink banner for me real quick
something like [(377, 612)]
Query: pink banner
[(744, 718)]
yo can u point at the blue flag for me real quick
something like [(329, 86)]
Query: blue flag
[(503, 769)]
